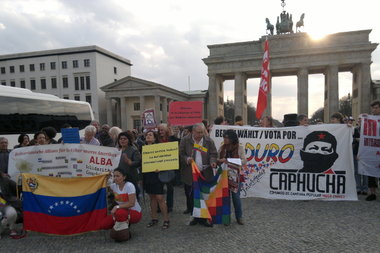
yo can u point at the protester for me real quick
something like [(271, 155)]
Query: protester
[(105, 139), (130, 159), (114, 133), (165, 135), (66, 125), (40, 138), (266, 121), (220, 120), (205, 161), (372, 181), (361, 180), (105, 127), (337, 118), (155, 188), (232, 149), (125, 197), (302, 120), (239, 120), (96, 124), (23, 141), (50, 133), (4, 155), (89, 136)]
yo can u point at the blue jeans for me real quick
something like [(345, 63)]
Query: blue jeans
[(361, 180), (237, 203)]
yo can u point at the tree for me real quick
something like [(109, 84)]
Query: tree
[(229, 113), (345, 105), (317, 116)]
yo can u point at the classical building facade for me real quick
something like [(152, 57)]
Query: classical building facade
[(294, 54), (127, 98), (71, 73)]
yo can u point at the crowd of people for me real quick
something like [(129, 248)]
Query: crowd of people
[(130, 183)]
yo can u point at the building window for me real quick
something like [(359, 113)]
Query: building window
[(136, 106), (75, 64), (43, 83), (65, 82), (66, 97), (160, 107), (54, 83), (13, 83), (136, 123), (64, 65), (42, 66), (2, 70), (86, 62), (114, 70), (52, 65), (76, 81), (82, 82), (4, 83), (88, 86), (22, 84), (31, 67), (77, 97), (32, 84), (12, 69), (22, 69), (88, 99)]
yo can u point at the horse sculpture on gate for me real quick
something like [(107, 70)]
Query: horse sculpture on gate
[(300, 23), (286, 24), (270, 27)]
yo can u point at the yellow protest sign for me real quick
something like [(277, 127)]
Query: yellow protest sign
[(163, 156)]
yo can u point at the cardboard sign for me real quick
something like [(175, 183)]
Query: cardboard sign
[(70, 135), (185, 113), (163, 156)]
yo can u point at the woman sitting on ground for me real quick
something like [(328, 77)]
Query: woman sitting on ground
[(155, 188), (125, 197)]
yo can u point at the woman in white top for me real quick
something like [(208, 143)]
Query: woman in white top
[(125, 197)]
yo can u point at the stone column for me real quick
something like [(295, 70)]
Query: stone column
[(241, 95), (365, 97), (157, 111), (118, 112), (213, 97), (303, 91), (123, 113), (109, 111), (165, 109), (331, 92)]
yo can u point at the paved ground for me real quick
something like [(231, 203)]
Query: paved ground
[(270, 226)]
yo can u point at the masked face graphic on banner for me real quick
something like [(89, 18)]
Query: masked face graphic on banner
[(319, 152)]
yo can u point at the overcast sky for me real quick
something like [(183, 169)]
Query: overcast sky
[(166, 40)]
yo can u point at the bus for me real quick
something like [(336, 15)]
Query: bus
[(24, 111)]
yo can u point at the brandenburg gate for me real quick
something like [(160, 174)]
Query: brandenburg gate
[(293, 54)]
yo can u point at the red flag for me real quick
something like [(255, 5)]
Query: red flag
[(264, 83)]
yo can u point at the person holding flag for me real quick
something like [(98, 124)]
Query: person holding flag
[(201, 149)]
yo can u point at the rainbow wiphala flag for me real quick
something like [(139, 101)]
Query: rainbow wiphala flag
[(211, 199)]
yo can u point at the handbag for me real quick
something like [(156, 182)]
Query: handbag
[(166, 176)]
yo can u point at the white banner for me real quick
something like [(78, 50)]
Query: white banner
[(63, 160), (300, 163), (369, 146)]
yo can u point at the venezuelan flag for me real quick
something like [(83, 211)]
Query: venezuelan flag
[(63, 206)]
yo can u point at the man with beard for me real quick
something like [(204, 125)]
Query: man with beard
[(318, 153)]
